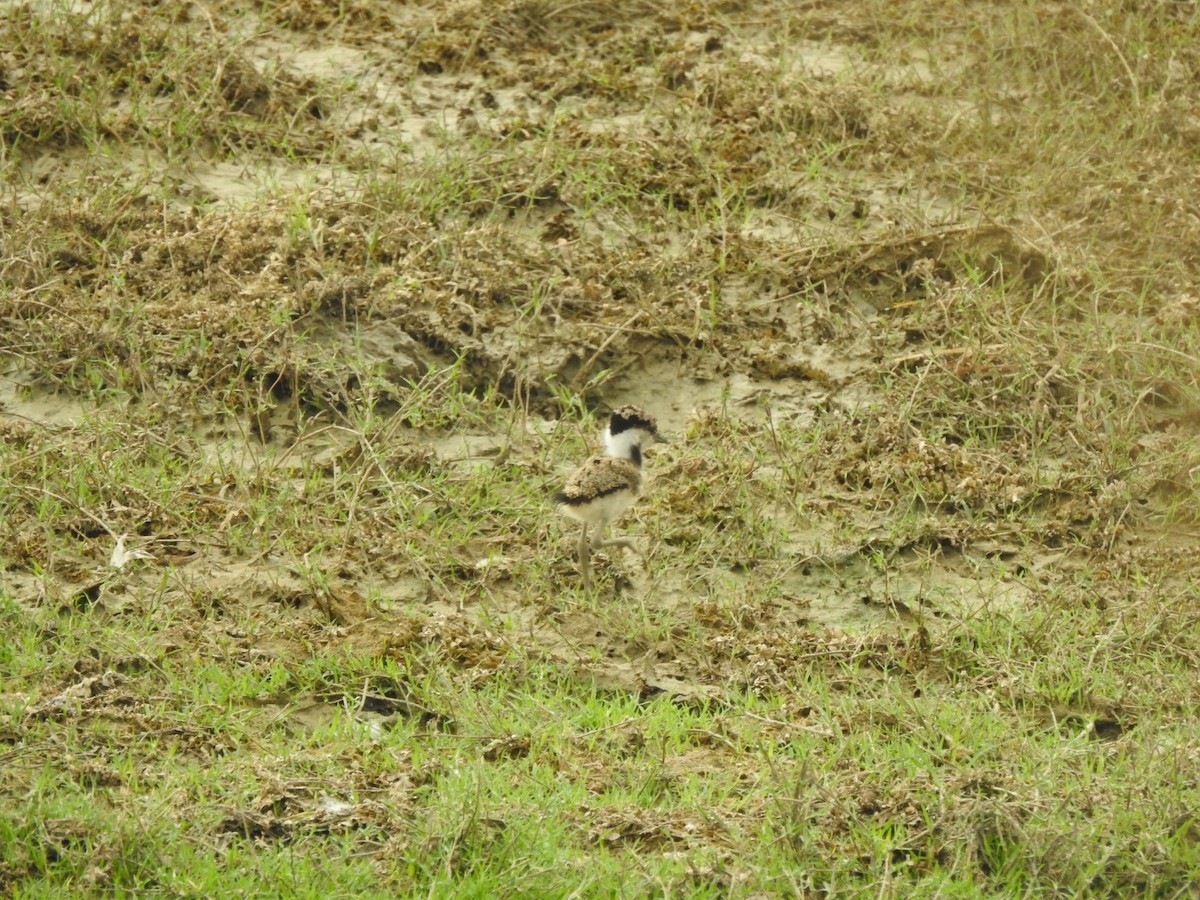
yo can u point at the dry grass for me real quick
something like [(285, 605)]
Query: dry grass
[(314, 308)]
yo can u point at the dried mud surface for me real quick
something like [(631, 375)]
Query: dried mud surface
[(810, 318), (780, 329)]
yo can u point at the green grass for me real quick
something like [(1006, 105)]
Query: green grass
[(855, 777), (918, 612)]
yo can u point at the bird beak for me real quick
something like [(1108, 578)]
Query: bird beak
[(660, 438)]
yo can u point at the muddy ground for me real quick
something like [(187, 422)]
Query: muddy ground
[(365, 279)]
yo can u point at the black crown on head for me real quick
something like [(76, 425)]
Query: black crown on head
[(625, 418)]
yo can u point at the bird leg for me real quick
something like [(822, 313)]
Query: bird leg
[(584, 554), (625, 542), (587, 546), (598, 541)]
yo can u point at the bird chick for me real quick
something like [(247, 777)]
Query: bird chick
[(605, 486)]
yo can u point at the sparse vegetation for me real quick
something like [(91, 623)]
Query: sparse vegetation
[(308, 308)]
